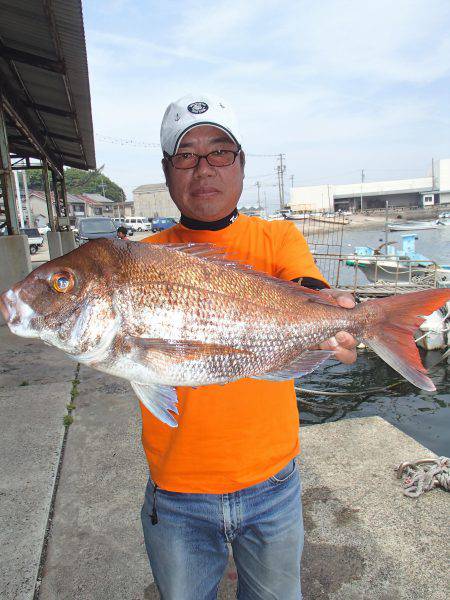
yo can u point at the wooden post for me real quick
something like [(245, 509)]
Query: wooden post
[(48, 197), (65, 205), (7, 180)]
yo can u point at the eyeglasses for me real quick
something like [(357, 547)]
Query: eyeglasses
[(216, 158)]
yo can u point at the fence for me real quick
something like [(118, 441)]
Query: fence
[(380, 275)]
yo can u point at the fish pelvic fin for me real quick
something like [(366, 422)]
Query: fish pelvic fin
[(306, 363), (391, 335), (159, 400)]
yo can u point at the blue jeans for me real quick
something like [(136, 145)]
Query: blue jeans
[(187, 546)]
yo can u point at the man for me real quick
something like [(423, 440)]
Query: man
[(122, 233), (227, 473)]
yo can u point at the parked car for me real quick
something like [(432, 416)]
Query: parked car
[(35, 239), (44, 230), (138, 223), (120, 222), (91, 228), (161, 223)]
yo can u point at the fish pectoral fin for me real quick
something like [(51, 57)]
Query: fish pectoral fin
[(182, 349), (159, 400), (306, 363)]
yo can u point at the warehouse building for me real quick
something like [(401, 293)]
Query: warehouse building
[(153, 200), (406, 193)]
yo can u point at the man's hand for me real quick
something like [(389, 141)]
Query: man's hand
[(343, 343)]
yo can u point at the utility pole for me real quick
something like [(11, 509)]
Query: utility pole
[(362, 181), (279, 186), (19, 199), (103, 186), (280, 170), (258, 185), (292, 181), (27, 198)]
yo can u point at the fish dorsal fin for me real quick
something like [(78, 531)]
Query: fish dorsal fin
[(198, 249), (159, 400), (306, 363), (222, 256)]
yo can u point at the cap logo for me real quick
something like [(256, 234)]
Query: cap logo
[(197, 108)]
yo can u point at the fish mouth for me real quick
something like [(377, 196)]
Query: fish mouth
[(17, 314)]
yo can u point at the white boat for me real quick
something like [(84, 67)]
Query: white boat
[(443, 219), (297, 216), (412, 225)]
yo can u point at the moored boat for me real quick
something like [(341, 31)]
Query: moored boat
[(412, 226), (399, 266)]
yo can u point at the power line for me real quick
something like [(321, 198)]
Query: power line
[(262, 155), (142, 144), (126, 141)]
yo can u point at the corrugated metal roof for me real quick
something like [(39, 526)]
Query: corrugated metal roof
[(98, 198), (385, 193), (44, 74), (151, 187), (91, 199)]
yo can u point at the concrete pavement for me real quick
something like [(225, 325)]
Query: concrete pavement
[(364, 539)]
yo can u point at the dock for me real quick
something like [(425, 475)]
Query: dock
[(70, 495), (382, 290)]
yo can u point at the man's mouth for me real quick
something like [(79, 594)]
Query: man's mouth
[(205, 192)]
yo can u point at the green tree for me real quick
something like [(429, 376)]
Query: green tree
[(79, 182)]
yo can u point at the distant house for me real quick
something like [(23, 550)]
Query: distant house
[(153, 200), (80, 205), (97, 205), (38, 205)]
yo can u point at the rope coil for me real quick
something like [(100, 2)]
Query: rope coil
[(423, 475)]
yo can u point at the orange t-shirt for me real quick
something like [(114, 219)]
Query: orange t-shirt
[(236, 435)]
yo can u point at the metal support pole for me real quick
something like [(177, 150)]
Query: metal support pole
[(386, 228), (48, 197), (362, 181), (7, 180)]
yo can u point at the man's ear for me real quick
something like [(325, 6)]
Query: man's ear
[(242, 159), (165, 168)]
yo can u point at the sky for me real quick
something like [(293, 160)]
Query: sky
[(336, 86)]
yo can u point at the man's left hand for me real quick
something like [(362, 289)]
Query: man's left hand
[(343, 343)]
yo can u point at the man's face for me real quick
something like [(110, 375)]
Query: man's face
[(205, 193)]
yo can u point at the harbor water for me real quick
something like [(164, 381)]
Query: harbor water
[(423, 415)]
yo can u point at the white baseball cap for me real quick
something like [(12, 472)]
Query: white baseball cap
[(191, 111)]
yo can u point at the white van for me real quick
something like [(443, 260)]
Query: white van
[(138, 223)]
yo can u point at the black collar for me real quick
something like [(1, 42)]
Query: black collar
[(209, 225)]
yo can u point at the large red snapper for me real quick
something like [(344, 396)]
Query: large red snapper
[(163, 316)]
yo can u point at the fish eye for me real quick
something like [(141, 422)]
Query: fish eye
[(62, 282)]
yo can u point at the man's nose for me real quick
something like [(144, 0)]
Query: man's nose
[(204, 168)]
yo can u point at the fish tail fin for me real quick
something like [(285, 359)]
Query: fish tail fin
[(390, 333)]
